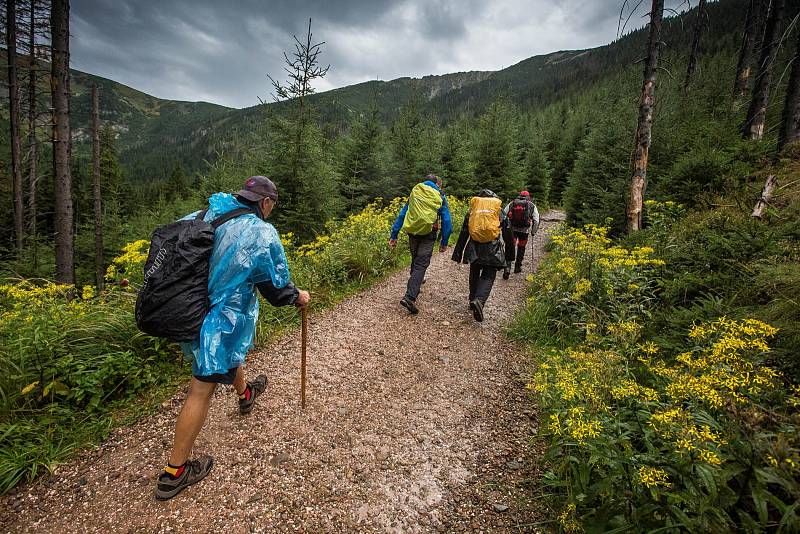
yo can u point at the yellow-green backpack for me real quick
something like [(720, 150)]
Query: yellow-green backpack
[(423, 209)]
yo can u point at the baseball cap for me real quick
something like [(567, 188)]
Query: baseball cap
[(524, 194), (258, 187)]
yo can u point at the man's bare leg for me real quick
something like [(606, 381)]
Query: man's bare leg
[(248, 391), (239, 383), (191, 419)]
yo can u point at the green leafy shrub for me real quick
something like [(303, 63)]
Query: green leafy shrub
[(645, 441), (675, 424), (587, 281), (723, 262), (695, 174), (710, 251), (64, 352)]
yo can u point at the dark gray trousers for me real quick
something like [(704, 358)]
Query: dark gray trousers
[(481, 280), (421, 252)]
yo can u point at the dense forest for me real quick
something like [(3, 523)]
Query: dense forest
[(522, 126), (716, 258)]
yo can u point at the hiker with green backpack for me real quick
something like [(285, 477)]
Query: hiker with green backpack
[(425, 213), (481, 245)]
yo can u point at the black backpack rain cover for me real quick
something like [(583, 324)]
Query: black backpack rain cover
[(173, 300)]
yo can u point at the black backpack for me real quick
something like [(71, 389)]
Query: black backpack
[(519, 213), (173, 300)]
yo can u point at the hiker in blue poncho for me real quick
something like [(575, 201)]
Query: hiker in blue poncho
[(247, 255)]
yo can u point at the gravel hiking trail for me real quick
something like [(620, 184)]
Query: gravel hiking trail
[(412, 424)]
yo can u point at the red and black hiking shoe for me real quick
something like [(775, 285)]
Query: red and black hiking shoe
[(169, 485), (248, 399)]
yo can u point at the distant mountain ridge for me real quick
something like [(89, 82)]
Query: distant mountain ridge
[(165, 131)]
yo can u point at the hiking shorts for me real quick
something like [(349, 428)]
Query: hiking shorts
[(219, 378)]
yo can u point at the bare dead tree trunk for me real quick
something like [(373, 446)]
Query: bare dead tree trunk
[(765, 196), (698, 32), (645, 123), (32, 141), (98, 214), (13, 97), (745, 64), (65, 251), (790, 125), (756, 114)]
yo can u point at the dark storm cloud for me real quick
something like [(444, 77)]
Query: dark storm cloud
[(222, 51)]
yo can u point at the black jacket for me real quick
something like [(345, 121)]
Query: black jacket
[(468, 251), (285, 296)]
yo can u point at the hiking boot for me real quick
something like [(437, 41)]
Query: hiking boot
[(506, 273), (477, 310), (517, 269), (256, 387), (409, 305), (193, 471)]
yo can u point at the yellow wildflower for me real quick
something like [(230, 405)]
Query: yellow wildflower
[(653, 477)]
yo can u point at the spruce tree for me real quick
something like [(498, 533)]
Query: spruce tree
[(62, 143), (361, 161), (178, 182), (497, 159), (405, 142), (567, 134), (431, 141), (115, 191), (455, 162), (307, 181), (537, 173), (598, 182)]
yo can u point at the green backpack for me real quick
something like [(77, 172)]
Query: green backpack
[(423, 210)]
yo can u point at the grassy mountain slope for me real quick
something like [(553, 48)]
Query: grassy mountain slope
[(153, 133)]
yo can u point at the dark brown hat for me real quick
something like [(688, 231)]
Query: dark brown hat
[(258, 187)]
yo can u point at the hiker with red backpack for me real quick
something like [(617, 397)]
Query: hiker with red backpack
[(232, 252), (521, 217), (481, 245), (425, 213)]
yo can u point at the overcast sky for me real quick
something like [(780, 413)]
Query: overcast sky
[(221, 51)]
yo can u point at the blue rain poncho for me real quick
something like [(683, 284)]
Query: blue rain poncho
[(247, 251)]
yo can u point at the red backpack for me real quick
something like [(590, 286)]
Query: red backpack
[(518, 214)]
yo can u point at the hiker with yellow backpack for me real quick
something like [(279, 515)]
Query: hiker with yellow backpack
[(425, 213), (481, 245)]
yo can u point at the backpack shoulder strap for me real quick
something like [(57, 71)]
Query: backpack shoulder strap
[(225, 217), (201, 215)]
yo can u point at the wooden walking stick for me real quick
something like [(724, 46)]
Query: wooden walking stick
[(303, 339)]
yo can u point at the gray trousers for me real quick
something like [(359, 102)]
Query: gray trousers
[(421, 251)]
